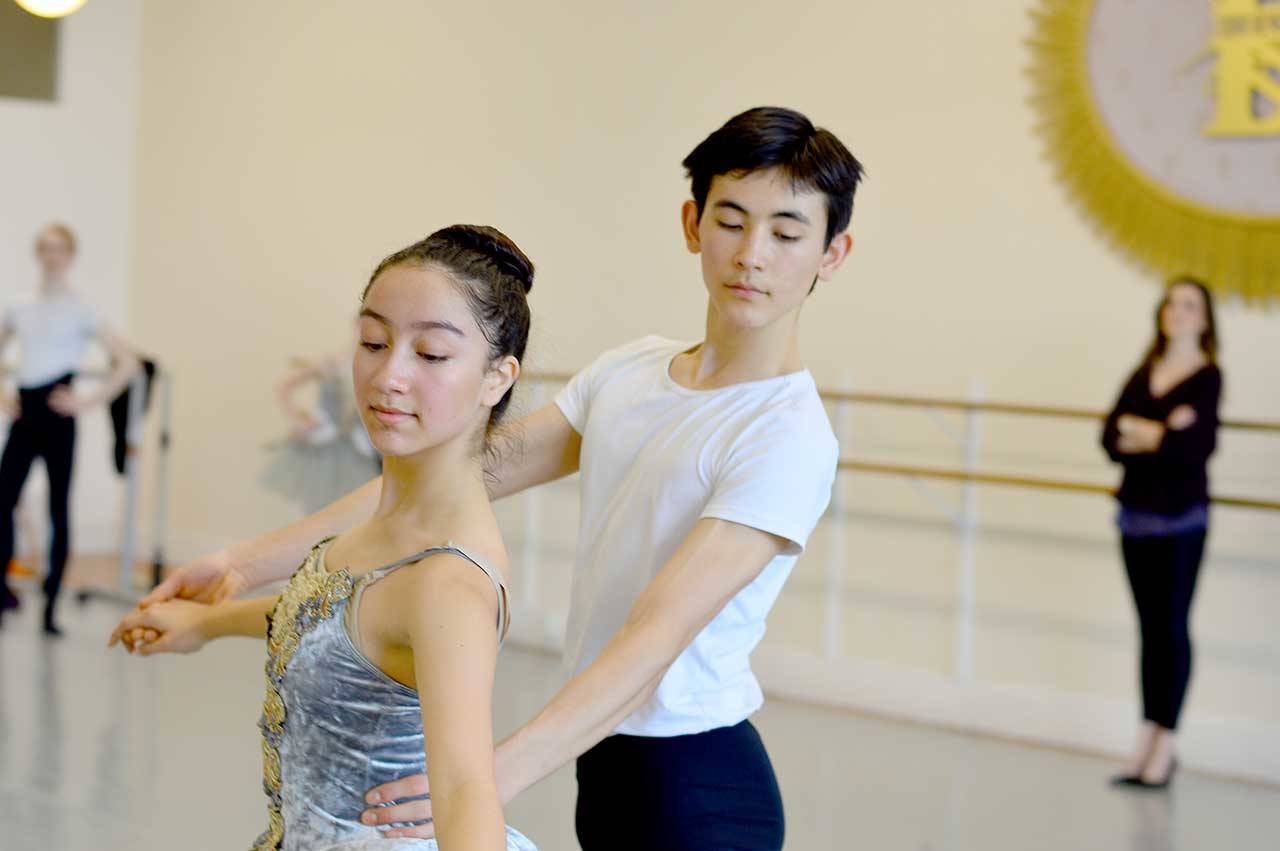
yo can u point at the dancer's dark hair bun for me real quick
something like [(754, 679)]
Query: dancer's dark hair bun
[(495, 245), (494, 275)]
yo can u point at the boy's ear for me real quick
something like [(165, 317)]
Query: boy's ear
[(689, 221), (835, 255)]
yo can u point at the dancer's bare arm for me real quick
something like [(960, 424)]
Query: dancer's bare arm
[(9, 406), (717, 560), (543, 447), (269, 557), (455, 651), (181, 626)]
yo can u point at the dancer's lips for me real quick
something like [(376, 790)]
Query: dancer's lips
[(744, 290), (390, 416)]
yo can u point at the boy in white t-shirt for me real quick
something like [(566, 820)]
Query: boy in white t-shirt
[(704, 469)]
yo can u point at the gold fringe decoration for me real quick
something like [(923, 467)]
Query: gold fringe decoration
[(1235, 254)]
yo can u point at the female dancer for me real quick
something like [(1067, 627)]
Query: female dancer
[(1163, 430), (53, 333), (394, 609)]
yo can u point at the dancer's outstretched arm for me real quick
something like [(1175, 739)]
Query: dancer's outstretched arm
[(269, 557), (181, 626), (540, 448)]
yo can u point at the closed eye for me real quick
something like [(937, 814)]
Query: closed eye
[(728, 226), (372, 347), (429, 358), (788, 238)]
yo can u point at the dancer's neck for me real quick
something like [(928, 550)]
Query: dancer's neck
[(431, 490)]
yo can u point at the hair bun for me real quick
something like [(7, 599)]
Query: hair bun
[(497, 247)]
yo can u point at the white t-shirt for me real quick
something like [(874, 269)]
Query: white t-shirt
[(657, 457), (53, 334)]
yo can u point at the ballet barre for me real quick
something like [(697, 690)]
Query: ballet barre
[(962, 516)]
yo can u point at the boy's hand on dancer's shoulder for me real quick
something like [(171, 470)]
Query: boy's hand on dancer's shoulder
[(210, 579), (176, 626), (390, 804), (10, 406)]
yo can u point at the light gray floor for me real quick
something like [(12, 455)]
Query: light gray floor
[(100, 751)]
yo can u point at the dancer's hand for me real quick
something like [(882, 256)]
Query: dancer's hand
[(388, 806), (1181, 418), (62, 400), (209, 579), (176, 626)]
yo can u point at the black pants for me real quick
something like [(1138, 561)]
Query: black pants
[(1162, 573), (40, 433), (712, 791)]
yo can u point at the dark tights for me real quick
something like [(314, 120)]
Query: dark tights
[(39, 432), (1162, 573)]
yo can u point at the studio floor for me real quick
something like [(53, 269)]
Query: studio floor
[(101, 751)]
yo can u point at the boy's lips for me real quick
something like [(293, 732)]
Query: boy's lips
[(745, 290)]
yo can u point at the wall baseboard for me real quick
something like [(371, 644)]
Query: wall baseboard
[(1233, 747)]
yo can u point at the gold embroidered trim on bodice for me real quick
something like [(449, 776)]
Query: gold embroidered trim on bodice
[(308, 600)]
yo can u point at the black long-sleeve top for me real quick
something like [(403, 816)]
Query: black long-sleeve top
[(1173, 478)]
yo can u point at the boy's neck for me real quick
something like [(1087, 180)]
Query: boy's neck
[(731, 354)]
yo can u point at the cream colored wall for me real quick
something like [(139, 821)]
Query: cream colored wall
[(285, 147), (72, 160)]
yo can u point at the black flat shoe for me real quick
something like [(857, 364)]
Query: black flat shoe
[(1154, 786)]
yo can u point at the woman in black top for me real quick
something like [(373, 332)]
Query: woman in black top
[(1163, 430)]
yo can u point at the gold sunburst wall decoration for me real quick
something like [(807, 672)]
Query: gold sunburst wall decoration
[(1162, 120)]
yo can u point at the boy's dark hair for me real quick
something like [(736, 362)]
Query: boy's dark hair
[(776, 137)]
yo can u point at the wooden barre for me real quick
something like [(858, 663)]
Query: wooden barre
[(962, 405), (1023, 481)]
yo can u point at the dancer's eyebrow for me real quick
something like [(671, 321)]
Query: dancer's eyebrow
[(419, 325), (794, 215)]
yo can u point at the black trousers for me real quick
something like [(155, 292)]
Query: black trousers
[(713, 791), (40, 433), (1162, 573)]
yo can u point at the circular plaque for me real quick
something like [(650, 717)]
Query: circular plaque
[(1162, 119)]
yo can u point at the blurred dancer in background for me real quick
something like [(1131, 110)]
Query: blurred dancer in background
[(53, 335)]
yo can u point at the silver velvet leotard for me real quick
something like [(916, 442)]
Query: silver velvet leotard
[(333, 724)]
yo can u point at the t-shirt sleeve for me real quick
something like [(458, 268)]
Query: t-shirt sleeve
[(575, 398), (778, 479)]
